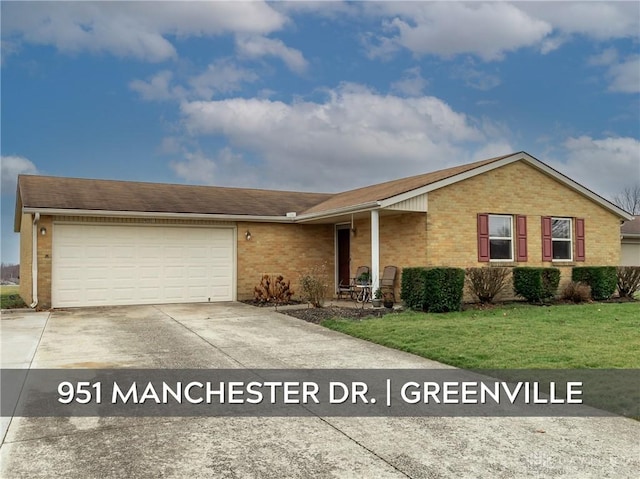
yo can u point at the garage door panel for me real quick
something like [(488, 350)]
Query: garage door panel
[(118, 264)]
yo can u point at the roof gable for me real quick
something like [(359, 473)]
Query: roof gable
[(389, 189)]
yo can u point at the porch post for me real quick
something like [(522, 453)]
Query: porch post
[(375, 250)]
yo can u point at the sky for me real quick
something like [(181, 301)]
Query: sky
[(314, 96)]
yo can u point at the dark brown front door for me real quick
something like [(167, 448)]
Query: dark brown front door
[(343, 256)]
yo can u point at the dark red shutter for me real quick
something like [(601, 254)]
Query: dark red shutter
[(483, 237), (579, 239), (547, 242), (521, 234)]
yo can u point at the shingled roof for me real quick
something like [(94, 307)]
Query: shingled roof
[(382, 191), (631, 228), (107, 195), (88, 195)]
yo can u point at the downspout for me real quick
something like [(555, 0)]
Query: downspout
[(34, 261)]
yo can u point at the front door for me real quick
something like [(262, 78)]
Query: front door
[(344, 255)]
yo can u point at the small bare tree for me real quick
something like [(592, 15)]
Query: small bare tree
[(629, 199)]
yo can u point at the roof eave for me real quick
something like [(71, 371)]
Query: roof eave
[(338, 211), (153, 214)]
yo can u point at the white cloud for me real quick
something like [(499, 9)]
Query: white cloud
[(355, 137), (10, 168), (223, 76), (488, 30), (158, 88), (597, 20), (491, 29), (198, 168), (605, 166), (411, 84), (258, 46), (133, 29), (625, 76)]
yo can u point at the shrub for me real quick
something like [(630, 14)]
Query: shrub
[(628, 280), (602, 279), (435, 290), (576, 292), (486, 283), (315, 285), (273, 290), (412, 287), (536, 284)]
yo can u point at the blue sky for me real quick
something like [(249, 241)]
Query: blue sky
[(315, 96)]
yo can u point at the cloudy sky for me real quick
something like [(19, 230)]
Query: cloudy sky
[(315, 96)]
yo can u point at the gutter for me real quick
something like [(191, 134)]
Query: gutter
[(152, 214), (34, 261), (340, 211)]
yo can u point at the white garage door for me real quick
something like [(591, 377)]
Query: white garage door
[(100, 265)]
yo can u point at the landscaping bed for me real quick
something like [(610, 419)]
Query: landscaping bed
[(318, 315)]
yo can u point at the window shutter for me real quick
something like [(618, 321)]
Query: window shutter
[(580, 239), (521, 234), (547, 244), (483, 237)]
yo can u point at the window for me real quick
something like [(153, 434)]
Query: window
[(500, 238), (561, 241)]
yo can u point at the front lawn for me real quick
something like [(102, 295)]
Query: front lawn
[(596, 335), (9, 298)]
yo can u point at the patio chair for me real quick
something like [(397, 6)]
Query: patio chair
[(388, 281), (350, 289)]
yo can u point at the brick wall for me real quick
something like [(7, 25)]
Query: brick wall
[(515, 189), (286, 249), (44, 262)]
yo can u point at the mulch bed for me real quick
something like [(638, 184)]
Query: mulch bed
[(264, 304), (317, 315)]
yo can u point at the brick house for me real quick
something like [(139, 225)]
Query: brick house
[(97, 242)]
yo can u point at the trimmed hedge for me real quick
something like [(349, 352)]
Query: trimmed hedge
[(536, 284), (602, 279), (435, 290)]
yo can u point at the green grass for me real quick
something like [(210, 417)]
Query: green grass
[(596, 335), (9, 298)]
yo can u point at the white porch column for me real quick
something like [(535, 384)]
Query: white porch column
[(375, 250)]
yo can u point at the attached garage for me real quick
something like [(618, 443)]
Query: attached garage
[(99, 265)]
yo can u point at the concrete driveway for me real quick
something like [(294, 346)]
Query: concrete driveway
[(234, 335)]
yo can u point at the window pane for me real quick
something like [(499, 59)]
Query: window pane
[(500, 226), (500, 249), (562, 250), (561, 228)]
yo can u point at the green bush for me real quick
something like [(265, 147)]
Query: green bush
[(602, 279), (536, 284), (412, 287), (435, 290)]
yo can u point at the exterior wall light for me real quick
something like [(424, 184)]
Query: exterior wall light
[(43, 231), (247, 235)]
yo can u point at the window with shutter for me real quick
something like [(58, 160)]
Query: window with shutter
[(495, 237)]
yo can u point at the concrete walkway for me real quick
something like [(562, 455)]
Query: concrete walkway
[(233, 335)]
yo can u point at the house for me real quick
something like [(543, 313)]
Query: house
[(630, 243), (91, 242)]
